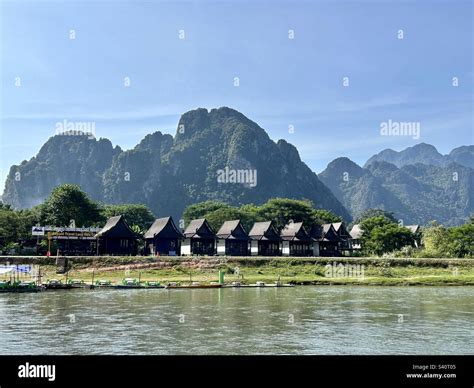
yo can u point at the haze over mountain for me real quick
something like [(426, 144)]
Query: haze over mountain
[(168, 173)]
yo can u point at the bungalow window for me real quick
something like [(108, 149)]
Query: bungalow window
[(123, 243)]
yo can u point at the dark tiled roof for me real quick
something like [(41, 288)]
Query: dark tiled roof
[(163, 227), (325, 232), (294, 231), (116, 227), (199, 228), (264, 231), (232, 230), (316, 232)]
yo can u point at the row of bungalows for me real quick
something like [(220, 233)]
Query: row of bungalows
[(164, 238)]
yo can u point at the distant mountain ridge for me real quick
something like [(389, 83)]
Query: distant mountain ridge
[(168, 173), (425, 154), (418, 184)]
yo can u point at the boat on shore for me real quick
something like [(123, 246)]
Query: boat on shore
[(258, 285), (79, 283), (153, 284), (101, 283), (193, 285), (129, 283), (23, 286), (55, 284)]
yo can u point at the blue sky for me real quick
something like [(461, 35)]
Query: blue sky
[(283, 81)]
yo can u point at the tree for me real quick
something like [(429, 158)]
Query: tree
[(201, 210), (371, 213), (322, 216), (135, 214), (67, 202), (15, 225), (279, 210), (381, 235), (219, 216), (461, 240), (282, 210), (435, 240), (8, 226)]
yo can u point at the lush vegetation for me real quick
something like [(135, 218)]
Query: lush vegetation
[(67, 205), (457, 241), (381, 234), (279, 210)]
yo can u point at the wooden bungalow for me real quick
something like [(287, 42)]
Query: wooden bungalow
[(116, 238), (325, 240), (344, 236), (163, 238), (232, 239), (264, 239), (296, 241), (199, 239)]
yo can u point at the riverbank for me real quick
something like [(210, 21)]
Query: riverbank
[(304, 271)]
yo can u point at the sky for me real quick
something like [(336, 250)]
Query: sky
[(322, 75)]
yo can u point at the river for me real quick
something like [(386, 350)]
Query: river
[(299, 320)]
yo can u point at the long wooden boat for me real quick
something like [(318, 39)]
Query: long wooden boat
[(192, 286), (258, 285), (16, 287), (55, 284), (77, 283), (103, 284), (129, 283)]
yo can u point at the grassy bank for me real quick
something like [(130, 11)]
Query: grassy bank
[(352, 271)]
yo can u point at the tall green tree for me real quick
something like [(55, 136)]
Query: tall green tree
[(461, 240), (201, 210), (371, 213), (217, 217), (279, 210), (9, 224), (381, 235), (322, 216), (68, 202), (282, 210), (435, 240)]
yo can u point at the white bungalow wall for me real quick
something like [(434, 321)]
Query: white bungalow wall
[(221, 247), (254, 248), (186, 247), (315, 248)]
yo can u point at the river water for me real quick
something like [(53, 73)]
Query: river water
[(299, 320)]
